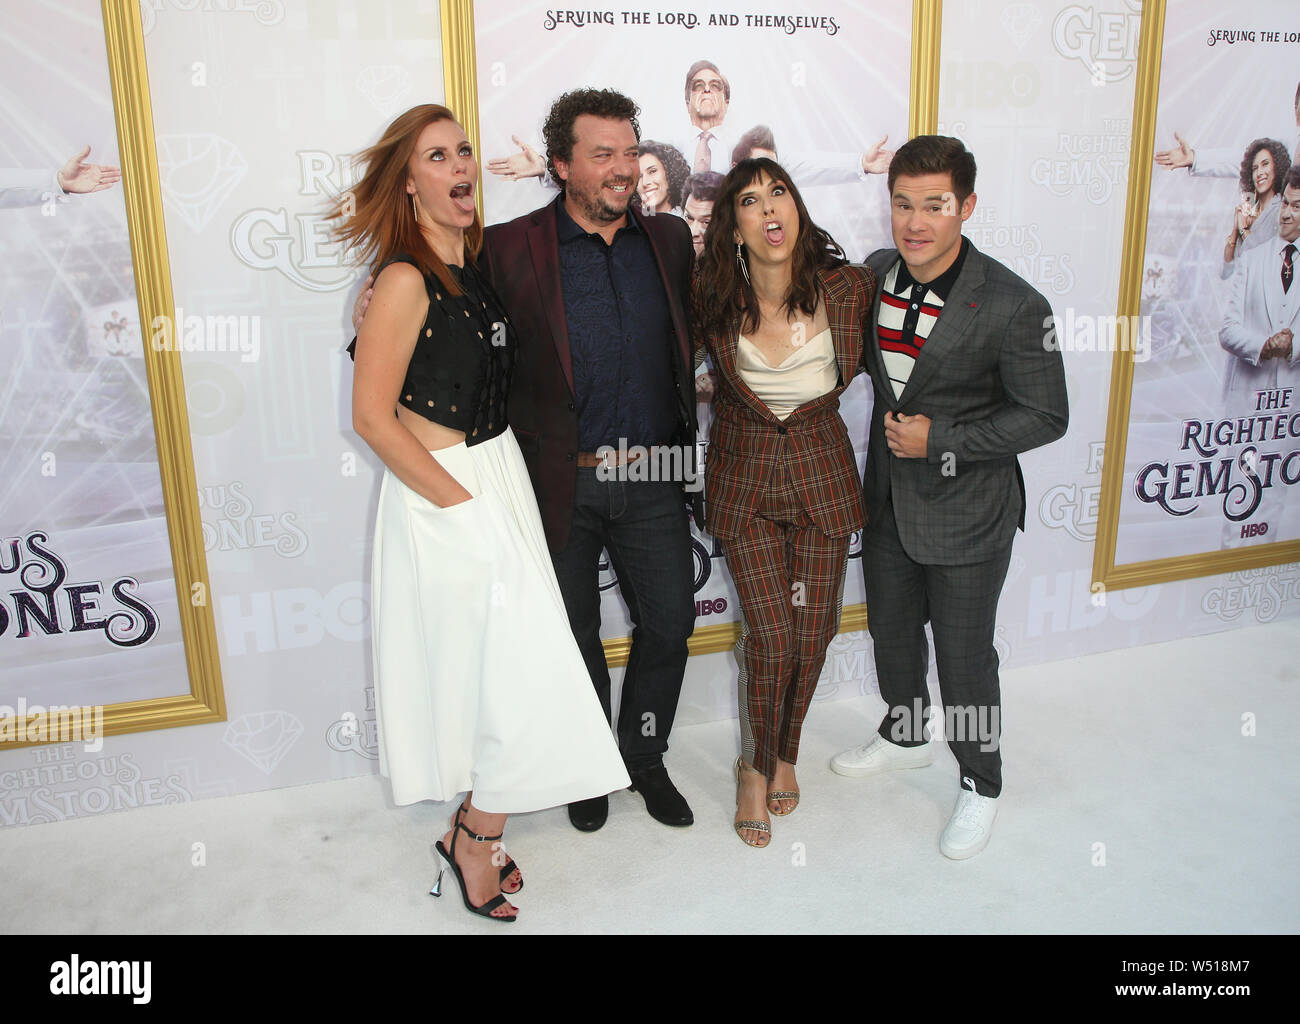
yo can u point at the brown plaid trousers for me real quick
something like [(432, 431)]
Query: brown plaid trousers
[(784, 497), (790, 578)]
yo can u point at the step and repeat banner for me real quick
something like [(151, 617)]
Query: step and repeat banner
[(771, 79), (89, 612), (1211, 433), (105, 615), (257, 107)]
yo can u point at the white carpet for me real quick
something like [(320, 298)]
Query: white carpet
[(1137, 754)]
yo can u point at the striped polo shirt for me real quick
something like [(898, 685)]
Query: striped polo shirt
[(908, 312)]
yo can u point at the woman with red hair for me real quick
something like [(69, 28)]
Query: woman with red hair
[(479, 686)]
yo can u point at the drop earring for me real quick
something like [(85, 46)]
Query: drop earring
[(741, 260)]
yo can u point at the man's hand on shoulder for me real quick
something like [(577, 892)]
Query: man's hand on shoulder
[(363, 300), (394, 301)]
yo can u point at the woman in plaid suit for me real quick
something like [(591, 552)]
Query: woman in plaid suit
[(782, 315)]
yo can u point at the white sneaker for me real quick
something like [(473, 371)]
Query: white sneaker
[(971, 824), (880, 756)]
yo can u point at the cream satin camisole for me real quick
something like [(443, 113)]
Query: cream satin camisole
[(807, 373)]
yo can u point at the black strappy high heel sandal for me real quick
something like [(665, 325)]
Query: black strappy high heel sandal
[(507, 870), (484, 910)]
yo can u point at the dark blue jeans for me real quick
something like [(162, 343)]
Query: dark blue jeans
[(645, 528)]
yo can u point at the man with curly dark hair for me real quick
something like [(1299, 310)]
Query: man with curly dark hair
[(598, 293), (558, 129)]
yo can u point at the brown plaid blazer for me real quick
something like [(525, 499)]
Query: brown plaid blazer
[(746, 439)]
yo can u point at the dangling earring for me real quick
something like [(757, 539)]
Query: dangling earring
[(415, 211), (741, 260)]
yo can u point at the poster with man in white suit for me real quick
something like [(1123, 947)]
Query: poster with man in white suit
[(1260, 321)]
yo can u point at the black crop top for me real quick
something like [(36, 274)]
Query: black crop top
[(459, 374)]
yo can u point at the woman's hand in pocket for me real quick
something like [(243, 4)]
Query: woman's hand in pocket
[(456, 497)]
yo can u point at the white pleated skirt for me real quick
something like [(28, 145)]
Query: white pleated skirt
[(479, 684)]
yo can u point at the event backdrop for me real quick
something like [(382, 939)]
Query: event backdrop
[(792, 70), (256, 106), (1210, 434), (107, 603)]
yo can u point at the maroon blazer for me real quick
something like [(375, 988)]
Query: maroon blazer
[(522, 260), (747, 439)]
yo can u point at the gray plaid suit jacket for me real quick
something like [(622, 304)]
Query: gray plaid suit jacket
[(992, 389)]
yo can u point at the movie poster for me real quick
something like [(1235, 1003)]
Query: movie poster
[(822, 87), (88, 608), (1213, 455)]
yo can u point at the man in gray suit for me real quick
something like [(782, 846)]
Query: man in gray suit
[(967, 374)]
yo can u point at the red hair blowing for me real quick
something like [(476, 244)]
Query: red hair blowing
[(377, 215)]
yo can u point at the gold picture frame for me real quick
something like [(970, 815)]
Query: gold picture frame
[(142, 194), (1106, 574), (460, 85)]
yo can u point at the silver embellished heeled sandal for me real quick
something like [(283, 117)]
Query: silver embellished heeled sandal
[(782, 794), (751, 825)]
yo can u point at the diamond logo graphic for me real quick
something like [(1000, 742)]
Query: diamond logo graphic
[(198, 173), (263, 738), (385, 86), (1020, 20)]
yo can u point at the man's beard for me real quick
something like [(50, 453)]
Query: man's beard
[(594, 205)]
